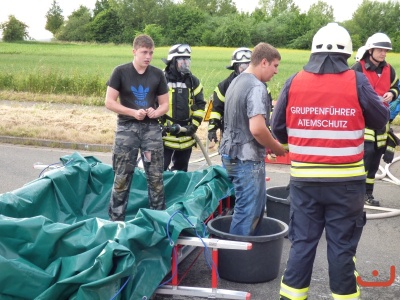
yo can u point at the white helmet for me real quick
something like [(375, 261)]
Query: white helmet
[(240, 55), (360, 53), (378, 40), (179, 50), (332, 38)]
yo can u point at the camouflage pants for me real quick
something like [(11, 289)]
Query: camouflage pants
[(129, 139)]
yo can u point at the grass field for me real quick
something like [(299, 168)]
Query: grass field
[(76, 74), (83, 69)]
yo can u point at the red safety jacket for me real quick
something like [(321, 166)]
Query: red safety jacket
[(325, 129), (381, 84)]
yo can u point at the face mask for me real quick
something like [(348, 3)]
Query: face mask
[(183, 65), (242, 67)]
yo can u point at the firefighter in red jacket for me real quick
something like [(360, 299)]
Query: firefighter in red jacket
[(384, 80), (323, 127)]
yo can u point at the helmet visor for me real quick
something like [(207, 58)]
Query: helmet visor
[(383, 45), (184, 48), (240, 54)]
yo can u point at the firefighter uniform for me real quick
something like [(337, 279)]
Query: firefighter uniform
[(323, 128), (186, 109), (239, 62), (383, 79)]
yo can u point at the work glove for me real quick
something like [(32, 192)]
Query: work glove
[(214, 124), (212, 135), (391, 143), (190, 130)]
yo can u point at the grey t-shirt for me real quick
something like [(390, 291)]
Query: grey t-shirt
[(245, 98)]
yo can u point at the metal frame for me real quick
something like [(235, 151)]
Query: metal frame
[(213, 292)]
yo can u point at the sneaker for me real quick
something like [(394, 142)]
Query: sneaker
[(369, 200)]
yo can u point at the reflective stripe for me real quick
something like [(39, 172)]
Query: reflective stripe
[(370, 180), (325, 134), (326, 151), (355, 296), (172, 138), (306, 170), (215, 115), (199, 113), (292, 293), (198, 89), (180, 146), (219, 94)]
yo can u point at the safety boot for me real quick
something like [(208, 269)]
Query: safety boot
[(370, 200)]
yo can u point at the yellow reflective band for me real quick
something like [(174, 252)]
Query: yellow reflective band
[(370, 180), (198, 89), (180, 146), (292, 293), (219, 95), (306, 170), (199, 113), (174, 139), (215, 115), (355, 296)]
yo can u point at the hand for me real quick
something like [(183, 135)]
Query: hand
[(212, 135), (388, 156), (139, 114), (151, 113), (278, 149), (190, 130)]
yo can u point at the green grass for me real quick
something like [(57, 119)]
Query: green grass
[(83, 69)]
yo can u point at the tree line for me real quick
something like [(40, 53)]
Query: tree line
[(210, 23)]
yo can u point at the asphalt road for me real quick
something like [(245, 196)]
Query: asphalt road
[(379, 248)]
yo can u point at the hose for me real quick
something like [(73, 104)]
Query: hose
[(389, 212)]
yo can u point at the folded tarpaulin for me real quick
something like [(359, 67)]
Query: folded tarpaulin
[(56, 241)]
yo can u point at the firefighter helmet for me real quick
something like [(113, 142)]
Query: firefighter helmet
[(378, 40), (179, 50), (240, 55), (332, 38), (360, 53)]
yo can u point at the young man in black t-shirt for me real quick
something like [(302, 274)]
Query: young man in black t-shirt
[(142, 92)]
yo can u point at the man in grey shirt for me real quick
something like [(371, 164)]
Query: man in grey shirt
[(246, 137)]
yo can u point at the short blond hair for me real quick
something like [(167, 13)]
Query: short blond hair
[(143, 40), (264, 50)]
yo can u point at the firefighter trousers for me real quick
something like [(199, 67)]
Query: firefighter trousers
[(337, 208)]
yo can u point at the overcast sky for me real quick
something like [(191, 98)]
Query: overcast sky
[(32, 12)]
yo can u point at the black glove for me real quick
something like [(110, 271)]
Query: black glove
[(190, 130), (391, 143), (212, 135), (388, 155), (214, 124)]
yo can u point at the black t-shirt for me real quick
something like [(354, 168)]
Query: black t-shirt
[(138, 91)]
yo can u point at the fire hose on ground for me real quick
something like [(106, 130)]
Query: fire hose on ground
[(388, 212)]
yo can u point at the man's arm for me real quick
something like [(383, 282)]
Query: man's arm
[(262, 135), (113, 104), (163, 106)]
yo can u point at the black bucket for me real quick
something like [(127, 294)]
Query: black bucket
[(261, 263), (278, 203)]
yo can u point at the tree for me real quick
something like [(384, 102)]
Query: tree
[(99, 6), (213, 7), (105, 27), (77, 27), (14, 30), (184, 25), (275, 8), (54, 17)]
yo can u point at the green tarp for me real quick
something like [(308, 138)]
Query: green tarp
[(56, 241)]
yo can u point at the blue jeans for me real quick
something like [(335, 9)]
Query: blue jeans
[(248, 178)]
